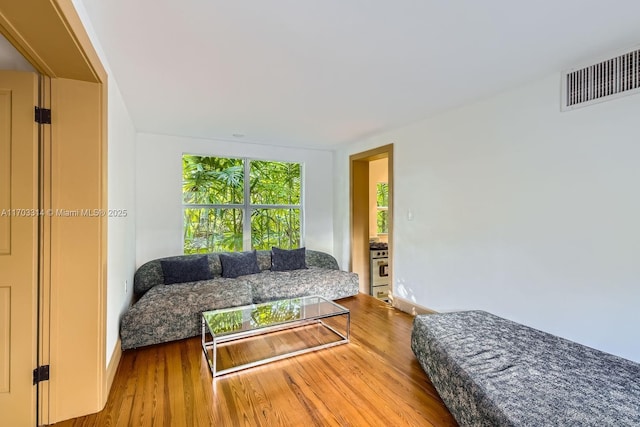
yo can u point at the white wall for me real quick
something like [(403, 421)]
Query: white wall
[(159, 189), (520, 210), (122, 230), (121, 196)]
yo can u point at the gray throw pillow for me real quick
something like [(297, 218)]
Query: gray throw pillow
[(284, 260), (236, 264), (190, 269)]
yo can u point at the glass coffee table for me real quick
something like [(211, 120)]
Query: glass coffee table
[(238, 338)]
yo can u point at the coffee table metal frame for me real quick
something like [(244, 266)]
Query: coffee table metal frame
[(210, 346)]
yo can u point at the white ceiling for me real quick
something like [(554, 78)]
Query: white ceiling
[(319, 73)]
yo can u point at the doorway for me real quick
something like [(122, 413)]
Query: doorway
[(371, 221), (70, 269)]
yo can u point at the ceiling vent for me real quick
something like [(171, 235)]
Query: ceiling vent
[(612, 78)]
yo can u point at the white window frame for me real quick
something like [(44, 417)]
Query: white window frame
[(246, 207)]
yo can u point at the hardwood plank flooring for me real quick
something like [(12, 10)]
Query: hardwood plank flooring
[(375, 380)]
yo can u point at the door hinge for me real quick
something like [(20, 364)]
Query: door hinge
[(43, 116), (41, 373)]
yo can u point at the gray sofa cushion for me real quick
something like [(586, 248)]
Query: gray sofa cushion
[(167, 313), (328, 283), (186, 270), (491, 371), (235, 264), (285, 260)]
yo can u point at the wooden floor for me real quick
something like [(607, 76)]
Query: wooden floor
[(375, 380)]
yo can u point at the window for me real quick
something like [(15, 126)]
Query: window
[(224, 211), (382, 203)]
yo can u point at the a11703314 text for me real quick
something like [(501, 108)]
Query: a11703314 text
[(83, 213)]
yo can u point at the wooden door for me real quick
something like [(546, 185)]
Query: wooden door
[(19, 217)]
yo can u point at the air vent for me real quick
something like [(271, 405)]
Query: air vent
[(612, 78)]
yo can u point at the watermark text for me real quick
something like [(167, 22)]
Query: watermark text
[(82, 213)]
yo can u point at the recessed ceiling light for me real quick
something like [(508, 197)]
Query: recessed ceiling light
[(238, 135)]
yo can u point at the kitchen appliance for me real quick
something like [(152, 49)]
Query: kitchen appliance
[(379, 278)]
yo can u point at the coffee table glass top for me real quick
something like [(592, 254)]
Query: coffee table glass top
[(257, 316)]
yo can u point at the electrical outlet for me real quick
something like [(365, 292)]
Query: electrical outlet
[(126, 285)]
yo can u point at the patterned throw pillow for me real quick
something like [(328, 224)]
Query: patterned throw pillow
[(236, 264), (284, 260), (184, 270)]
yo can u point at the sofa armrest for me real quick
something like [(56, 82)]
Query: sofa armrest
[(321, 259)]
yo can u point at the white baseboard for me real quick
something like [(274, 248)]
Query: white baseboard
[(410, 307)]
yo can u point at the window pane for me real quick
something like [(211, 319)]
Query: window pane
[(275, 227), (382, 194), (275, 183), (212, 230), (383, 222), (212, 180)]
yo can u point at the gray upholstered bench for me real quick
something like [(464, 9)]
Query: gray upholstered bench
[(491, 371)]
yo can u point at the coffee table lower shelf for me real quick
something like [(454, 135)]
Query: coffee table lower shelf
[(234, 351)]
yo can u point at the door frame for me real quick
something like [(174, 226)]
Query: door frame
[(54, 41), (359, 212)]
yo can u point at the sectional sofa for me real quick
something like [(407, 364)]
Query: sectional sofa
[(171, 293)]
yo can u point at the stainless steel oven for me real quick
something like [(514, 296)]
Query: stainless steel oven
[(379, 274)]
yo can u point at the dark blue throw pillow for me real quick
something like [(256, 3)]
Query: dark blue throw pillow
[(284, 260), (184, 270), (236, 264)]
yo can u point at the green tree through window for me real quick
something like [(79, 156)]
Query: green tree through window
[(382, 202), (225, 212)]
